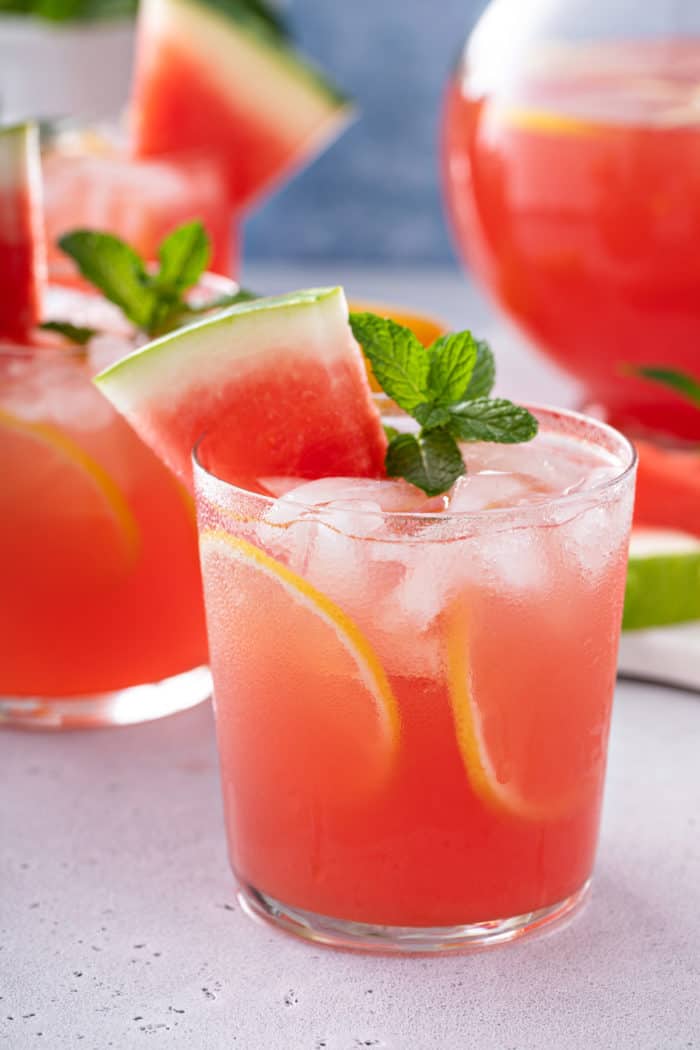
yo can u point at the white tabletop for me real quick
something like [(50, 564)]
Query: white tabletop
[(118, 917)]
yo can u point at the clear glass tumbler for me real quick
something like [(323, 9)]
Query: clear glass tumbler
[(413, 708), (101, 615)]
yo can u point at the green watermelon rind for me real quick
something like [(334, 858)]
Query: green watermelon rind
[(278, 47), (268, 19), (15, 147), (133, 378), (662, 588)]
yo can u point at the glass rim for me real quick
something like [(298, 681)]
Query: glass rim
[(627, 454)]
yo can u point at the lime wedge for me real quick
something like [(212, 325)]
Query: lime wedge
[(663, 579)]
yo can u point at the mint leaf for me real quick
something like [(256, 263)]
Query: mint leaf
[(430, 415), (445, 388), (431, 461), (452, 360), (154, 302), (484, 374), (391, 433), (679, 381), (491, 419), (243, 295), (71, 10), (399, 362), (116, 270), (73, 332), (184, 256)]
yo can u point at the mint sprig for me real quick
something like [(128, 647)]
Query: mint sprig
[(681, 382), (72, 332), (152, 298), (118, 271), (445, 388)]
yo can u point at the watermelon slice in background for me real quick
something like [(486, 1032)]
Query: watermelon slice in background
[(22, 245), (668, 488), (217, 78), (278, 386)]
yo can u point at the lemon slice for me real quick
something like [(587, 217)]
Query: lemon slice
[(547, 123), (61, 509), (508, 785), (306, 681)]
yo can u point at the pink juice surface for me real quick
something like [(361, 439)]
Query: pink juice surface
[(412, 694)]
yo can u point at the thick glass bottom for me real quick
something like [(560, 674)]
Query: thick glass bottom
[(137, 703), (360, 936)]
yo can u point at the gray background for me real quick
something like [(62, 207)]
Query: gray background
[(375, 194)]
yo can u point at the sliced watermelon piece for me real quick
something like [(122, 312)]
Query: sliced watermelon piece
[(213, 79), (279, 385), (668, 488), (22, 247)]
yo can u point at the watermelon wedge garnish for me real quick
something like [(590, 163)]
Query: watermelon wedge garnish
[(280, 383), (214, 78), (22, 248)]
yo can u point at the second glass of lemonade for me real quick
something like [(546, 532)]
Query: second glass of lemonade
[(101, 618), (413, 695)]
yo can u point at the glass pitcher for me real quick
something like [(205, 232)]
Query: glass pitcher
[(571, 147)]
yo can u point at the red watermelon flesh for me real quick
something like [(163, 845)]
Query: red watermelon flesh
[(212, 81), (277, 385), (668, 488), (22, 248)]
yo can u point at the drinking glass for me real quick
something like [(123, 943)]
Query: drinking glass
[(412, 708), (93, 181), (101, 615)]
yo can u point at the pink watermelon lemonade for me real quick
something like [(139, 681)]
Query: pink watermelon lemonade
[(91, 527), (578, 183), (412, 693), (91, 181)]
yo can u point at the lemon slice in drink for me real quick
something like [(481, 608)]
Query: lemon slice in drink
[(312, 706), (507, 753), (61, 509)]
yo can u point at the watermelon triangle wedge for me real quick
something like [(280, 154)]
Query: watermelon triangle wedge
[(22, 247), (278, 386), (214, 78)]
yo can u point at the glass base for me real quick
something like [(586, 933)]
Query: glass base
[(138, 703), (360, 936)]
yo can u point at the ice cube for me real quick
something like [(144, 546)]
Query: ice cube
[(492, 488), (391, 495), (338, 533), (555, 466), (596, 537), (280, 486)]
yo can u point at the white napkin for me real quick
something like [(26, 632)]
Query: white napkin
[(669, 655)]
